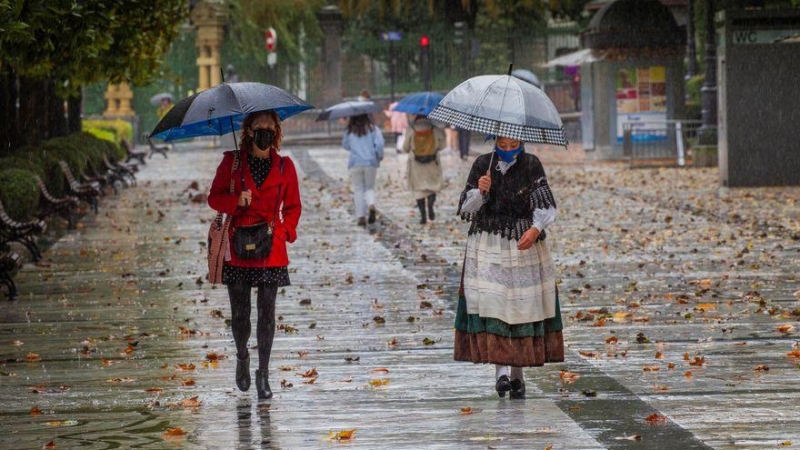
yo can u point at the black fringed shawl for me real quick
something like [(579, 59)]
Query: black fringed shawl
[(508, 210)]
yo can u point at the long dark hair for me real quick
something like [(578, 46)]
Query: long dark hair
[(246, 142), (359, 125)]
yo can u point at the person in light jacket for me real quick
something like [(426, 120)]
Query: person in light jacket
[(364, 141), (265, 189)]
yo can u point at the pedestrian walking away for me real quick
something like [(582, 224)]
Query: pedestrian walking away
[(508, 310), (258, 188), (398, 122), (364, 141), (424, 165), (464, 136)]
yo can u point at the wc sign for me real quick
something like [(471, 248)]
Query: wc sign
[(765, 36)]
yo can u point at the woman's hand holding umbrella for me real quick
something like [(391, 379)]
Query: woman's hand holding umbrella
[(245, 198), (484, 184)]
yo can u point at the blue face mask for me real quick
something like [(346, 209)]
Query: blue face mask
[(508, 156)]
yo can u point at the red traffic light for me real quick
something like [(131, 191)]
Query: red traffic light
[(424, 41)]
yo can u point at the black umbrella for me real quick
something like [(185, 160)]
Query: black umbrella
[(221, 110)]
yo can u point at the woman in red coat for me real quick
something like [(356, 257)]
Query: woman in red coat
[(265, 189)]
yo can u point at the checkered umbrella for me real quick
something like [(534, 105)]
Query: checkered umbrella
[(502, 105)]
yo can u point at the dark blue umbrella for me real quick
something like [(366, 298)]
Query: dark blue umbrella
[(527, 75), (221, 109), (421, 103)]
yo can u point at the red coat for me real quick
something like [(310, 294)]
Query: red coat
[(263, 206)]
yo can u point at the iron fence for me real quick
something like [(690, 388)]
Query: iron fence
[(663, 143)]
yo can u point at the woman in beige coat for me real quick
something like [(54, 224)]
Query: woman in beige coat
[(423, 143)]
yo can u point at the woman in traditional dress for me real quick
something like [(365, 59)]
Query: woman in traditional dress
[(508, 310)]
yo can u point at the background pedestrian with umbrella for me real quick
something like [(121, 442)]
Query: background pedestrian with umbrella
[(164, 103), (423, 145), (258, 191), (508, 311), (364, 141)]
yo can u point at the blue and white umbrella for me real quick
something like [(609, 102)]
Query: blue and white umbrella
[(502, 105), (221, 109), (420, 104)]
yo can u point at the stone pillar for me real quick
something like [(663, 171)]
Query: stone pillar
[(330, 20), (209, 18), (118, 101)]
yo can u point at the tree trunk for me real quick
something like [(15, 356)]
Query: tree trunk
[(74, 113), (30, 120), (55, 109), (9, 120)]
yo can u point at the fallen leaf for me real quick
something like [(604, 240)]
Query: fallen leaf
[(121, 380), (186, 366), (379, 382), (154, 389), (795, 353), (762, 368), (310, 373), (568, 377), (343, 435), (16, 342), (651, 368), (310, 380), (467, 410), (587, 354), (35, 411), (785, 328), (655, 419), (285, 384), (188, 382), (659, 355), (698, 361), (705, 306), (213, 356), (659, 388), (31, 357), (612, 340), (50, 444), (191, 402), (177, 431), (688, 374), (380, 370), (633, 437)]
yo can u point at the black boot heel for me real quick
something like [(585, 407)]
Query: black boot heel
[(262, 385), (517, 389), (502, 386)]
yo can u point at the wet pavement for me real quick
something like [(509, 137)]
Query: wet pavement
[(681, 302)]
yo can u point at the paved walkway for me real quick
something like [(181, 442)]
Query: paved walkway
[(677, 296)]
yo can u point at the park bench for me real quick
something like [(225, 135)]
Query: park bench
[(21, 232), (104, 180), (123, 171), (10, 262), (87, 192), (132, 153), (49, 205), (162, 149)]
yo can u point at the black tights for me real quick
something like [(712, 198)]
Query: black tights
[(239, 294)]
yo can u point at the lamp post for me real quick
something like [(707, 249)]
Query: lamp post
[(708, 93)]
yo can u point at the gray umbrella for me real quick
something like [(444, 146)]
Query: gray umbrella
[(502, 105), (527, 75), (348, 109)]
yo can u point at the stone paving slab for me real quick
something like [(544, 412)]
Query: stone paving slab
[(698, 271)]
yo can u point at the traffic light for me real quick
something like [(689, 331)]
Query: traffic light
[(424, 45), (424, 41)]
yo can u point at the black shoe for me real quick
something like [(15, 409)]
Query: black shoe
[(243, 373), (422, 212), (262, 385), (517, 389), (502, 386), (371, 218)]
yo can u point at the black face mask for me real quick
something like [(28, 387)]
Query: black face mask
[(263, 138)]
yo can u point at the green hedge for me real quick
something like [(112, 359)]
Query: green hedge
[(19, 193), (121, 129)]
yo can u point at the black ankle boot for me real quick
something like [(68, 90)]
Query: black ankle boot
[(243, 373), (502, 386), (423, 217), (262, 385), (431, 199), (517, 389)]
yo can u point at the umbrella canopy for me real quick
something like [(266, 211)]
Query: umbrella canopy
[(502, 105), (577, 58), (527, 75), (221, 109), (421, 103), (158, 98), (348, 109)]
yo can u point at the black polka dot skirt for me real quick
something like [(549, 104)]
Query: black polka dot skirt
[(254, 276)]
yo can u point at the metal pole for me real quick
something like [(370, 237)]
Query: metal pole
[(391, 67), (691, 50), (708, 93), (426, 61)]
